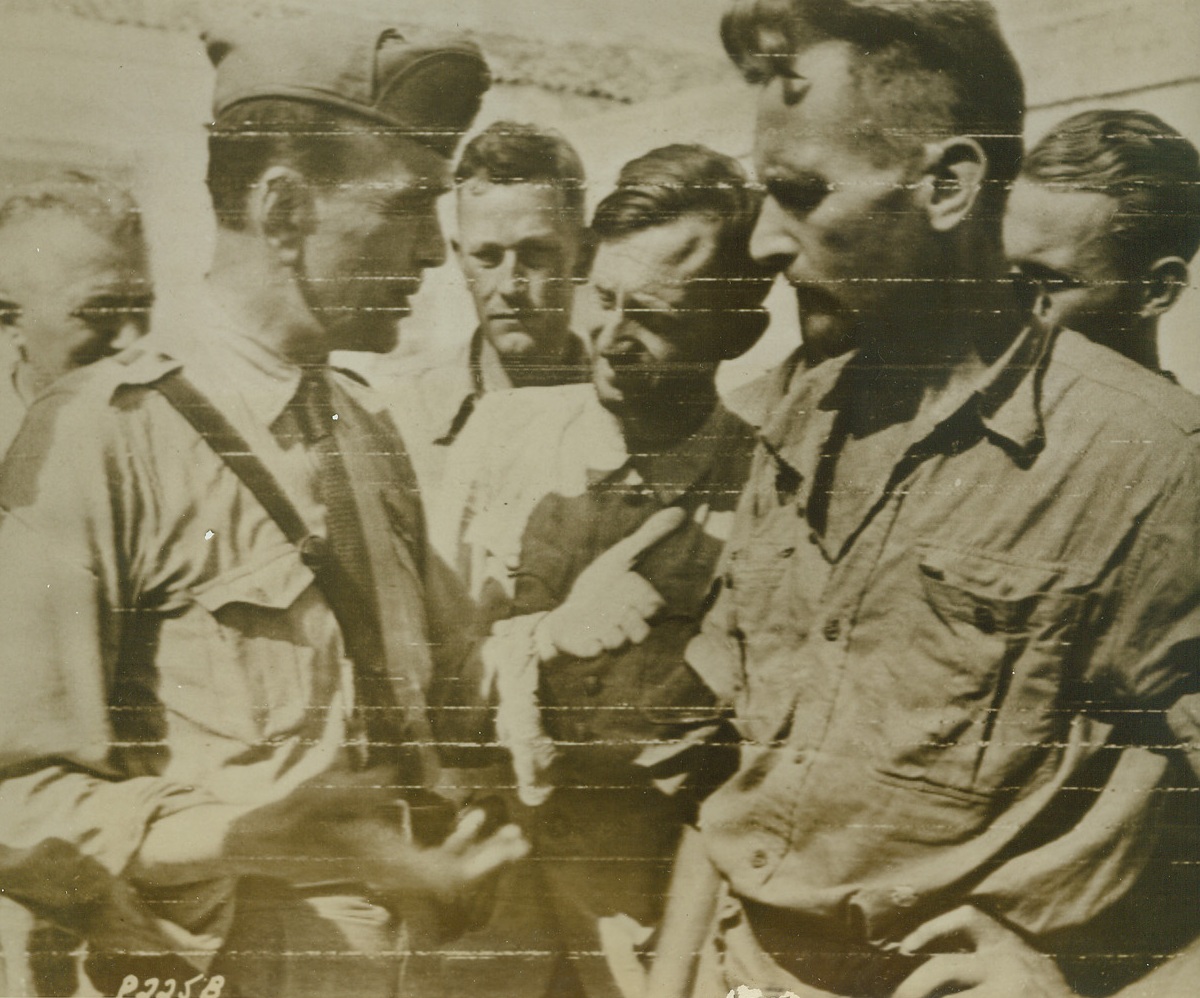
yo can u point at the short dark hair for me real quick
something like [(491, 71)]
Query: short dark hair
[(930, 66), (1140, 161), (508, 152), (252, 135), (105, 207), (678, 180)]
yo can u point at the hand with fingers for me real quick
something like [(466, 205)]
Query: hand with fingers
[(610, 604), (467, 859), (977, 956), (351, 825)]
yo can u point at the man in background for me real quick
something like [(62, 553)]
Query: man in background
[(74, 288), (521, 244), (1102, 224), (550, 487), (74, 284)]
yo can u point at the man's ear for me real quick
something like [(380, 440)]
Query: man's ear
[(281, 207), (1164, 282), (953, 175)]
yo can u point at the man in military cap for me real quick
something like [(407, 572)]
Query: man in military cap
[(219, 611)]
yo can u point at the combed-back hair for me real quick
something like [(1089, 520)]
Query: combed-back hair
[(674, 181), (253, 135), (509, 152), (929, 68), (107, 208), (1137, 159)]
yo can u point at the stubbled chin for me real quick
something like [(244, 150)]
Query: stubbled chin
[(513, 344), (381, 338), (825, 333)]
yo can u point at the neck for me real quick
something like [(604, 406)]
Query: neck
[(265, 301), (1140, 344), (929, 348), (669, 422), (541, 368)]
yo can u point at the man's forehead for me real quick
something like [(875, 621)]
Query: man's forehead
[(664, 256), (389, 159), (54, 242), (536, 203), (815, 108), (1056, 226)]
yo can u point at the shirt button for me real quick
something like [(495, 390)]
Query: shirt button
[(314, 551), (592, 685), (759, 859), (832, 629), (985, 619), (812, 537)]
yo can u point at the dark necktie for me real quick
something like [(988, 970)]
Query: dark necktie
[(343, 559)]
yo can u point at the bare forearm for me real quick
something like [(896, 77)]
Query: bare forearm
[(691, 905)]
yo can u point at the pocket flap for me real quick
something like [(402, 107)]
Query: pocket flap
[(276, 583), (990, 593)]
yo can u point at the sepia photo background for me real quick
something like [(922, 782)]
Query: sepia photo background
[(124, 86)]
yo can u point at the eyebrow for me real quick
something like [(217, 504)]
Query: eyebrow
[(1035, 271)]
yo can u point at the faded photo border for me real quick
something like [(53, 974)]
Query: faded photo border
[(122, 88)]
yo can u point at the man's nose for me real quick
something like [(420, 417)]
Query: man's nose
[(512, 280), (431, 243), (606, 331), (771, 242)]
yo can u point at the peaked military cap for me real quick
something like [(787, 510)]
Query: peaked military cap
[(430, 90)]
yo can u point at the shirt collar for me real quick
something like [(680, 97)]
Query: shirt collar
[(1005, 400), (1009, 401), (228, 360), (474, 370)]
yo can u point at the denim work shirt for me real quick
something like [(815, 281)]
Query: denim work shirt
[(926, 697)]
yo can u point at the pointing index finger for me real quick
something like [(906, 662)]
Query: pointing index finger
[(660, 525)]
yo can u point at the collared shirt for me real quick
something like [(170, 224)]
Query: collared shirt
[(541, 485), (166, 645), (625, 702), (545, 485), (434, 400), (917, 687)]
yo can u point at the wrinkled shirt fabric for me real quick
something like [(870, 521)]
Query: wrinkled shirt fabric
[(960, 696)]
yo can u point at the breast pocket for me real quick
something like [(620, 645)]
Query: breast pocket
[(240, 660), (979, 685)]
